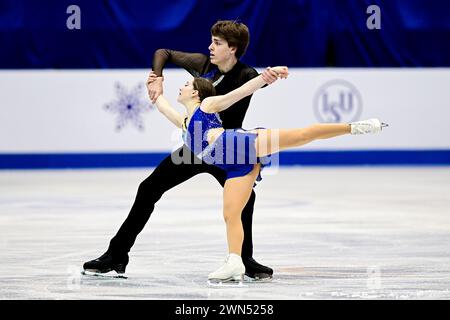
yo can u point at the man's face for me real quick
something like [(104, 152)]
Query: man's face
[(219, 51)]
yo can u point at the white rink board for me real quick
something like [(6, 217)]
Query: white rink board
[(64, 110)]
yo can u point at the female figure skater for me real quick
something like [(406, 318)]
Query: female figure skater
[(204, 135)]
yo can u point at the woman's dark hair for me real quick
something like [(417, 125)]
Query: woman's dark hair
[(204, 87), (235, 33)]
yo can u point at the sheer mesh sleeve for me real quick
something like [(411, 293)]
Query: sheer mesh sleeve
[(248, 74), (194, 63)]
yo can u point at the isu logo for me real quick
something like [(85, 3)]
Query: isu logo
[(337, 101)]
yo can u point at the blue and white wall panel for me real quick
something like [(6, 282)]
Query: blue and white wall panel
[(103, 118)]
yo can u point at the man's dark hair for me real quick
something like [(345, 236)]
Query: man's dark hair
[(235, 33)]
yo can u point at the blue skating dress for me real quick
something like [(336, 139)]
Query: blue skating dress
[(233, 151)]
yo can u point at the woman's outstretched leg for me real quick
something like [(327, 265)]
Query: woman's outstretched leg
[(236, 193), (270, 141)]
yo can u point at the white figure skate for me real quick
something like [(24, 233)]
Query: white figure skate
[(231, 274), (367, 126)]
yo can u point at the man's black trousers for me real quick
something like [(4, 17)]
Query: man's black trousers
[(167, 175)]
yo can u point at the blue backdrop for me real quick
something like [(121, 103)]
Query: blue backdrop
[(297, 33)]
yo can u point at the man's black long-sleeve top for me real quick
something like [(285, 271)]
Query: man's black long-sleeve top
[(199, 65)]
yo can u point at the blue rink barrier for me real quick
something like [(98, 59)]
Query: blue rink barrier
[(288, 158)]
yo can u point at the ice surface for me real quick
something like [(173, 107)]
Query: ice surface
[(328, 233)]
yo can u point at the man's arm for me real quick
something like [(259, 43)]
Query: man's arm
[(194, 63), (220, 103)]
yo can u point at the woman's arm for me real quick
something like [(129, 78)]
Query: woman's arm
[(169, 112), (220, 103)]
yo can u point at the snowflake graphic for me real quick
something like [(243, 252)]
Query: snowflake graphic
[(129, 106)]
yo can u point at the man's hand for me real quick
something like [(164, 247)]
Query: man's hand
[(269, 76), (281, 72), (154, 86)]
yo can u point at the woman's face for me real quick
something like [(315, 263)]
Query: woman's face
[(186, 92)]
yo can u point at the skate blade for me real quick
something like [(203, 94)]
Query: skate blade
[(107, 275), (226, 284), (256, 279)]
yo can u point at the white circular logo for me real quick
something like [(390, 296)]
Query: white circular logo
[(337, 101)]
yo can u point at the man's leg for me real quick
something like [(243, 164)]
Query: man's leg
[(253, 269), (166, 176)]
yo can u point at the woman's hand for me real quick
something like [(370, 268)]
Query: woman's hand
[(154, 86)]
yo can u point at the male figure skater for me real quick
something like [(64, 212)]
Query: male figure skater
[(229, 41)]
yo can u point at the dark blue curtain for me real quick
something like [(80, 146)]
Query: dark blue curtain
[(298, 33)]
